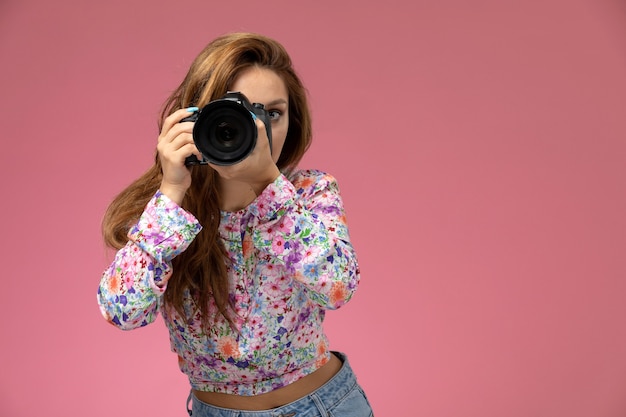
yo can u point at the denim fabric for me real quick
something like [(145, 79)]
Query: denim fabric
[(340, 397)]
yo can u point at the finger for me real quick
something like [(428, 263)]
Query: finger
[(181, 140), (178, 129), (181, 145), (175, 162), (260, 126), (263, 143), (184, 152), (174, 119)]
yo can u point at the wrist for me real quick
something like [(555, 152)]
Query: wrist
[(176, 194), (265, 180)]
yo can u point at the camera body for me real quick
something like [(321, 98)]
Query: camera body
[(225, 131)]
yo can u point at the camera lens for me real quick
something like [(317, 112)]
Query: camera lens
[(227, 129), (225, 132)]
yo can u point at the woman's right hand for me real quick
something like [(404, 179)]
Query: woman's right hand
[(175, 144)]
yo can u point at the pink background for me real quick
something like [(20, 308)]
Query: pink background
[(481, 151)]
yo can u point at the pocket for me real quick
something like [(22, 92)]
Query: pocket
[(355, 404), (366, 400)]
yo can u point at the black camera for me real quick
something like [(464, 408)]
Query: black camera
[(225, 132)]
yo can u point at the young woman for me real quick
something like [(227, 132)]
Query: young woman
[(241, 260)]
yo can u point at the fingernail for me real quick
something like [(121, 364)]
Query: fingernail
[(192, 109)]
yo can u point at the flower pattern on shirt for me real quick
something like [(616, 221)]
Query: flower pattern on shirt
[(290, 261)]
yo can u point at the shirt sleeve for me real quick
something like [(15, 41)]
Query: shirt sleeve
[(131, 289), (303, 225)]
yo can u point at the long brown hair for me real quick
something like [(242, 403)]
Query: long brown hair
[(201, 271)]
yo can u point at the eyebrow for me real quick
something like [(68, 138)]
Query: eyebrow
[(276, 102)]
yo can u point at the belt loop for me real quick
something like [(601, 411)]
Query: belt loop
[(188, 401), (319, 404)]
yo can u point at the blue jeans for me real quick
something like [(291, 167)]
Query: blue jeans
[(340, 397)]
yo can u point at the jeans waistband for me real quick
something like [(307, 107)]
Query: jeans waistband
[(333, 391), (339, 385)]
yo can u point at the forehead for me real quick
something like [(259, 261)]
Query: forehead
[(261, 85)]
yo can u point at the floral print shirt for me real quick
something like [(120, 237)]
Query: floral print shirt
[(291, 260)]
